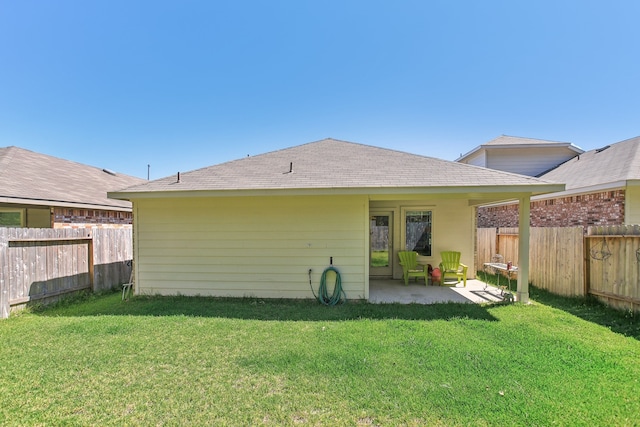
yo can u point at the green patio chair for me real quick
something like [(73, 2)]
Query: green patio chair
[(411, 268), (452, 268)]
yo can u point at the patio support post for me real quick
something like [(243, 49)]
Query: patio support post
[(524, 229)]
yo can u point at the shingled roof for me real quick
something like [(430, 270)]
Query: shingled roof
[(504, 140), (611, 165), (30, 178), (337, 165)]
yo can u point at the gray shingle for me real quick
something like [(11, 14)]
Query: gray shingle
[(334, 164), (38, 178), (610, 164)]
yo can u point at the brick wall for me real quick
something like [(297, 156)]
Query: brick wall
[(604, 208), (90, 218)]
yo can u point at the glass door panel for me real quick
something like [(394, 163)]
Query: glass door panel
[(381, 251)]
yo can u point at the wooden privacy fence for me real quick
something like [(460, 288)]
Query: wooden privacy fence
[(41, 264), (492, 241), (604, 262), (613, 265), (379, 238)]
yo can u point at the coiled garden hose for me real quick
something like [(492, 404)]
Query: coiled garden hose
[(323, 296)]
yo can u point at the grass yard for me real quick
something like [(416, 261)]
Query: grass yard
[(379, 258), (206, 361)]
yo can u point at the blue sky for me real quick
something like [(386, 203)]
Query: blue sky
[(185, 84)]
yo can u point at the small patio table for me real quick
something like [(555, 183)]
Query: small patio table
[(497, 268)]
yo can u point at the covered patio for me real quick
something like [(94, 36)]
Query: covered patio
[(383, 291)]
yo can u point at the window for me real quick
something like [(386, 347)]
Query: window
[(11, 218), (418, 231)]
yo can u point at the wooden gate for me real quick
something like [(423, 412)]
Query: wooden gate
[(42, 264)]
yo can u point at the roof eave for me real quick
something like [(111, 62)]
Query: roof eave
[(469, 154), (531, 189), (541, 145), (486, 147), (608, 186), (617, 185), (63, 204)]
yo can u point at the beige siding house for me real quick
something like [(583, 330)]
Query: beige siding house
[(632, 210), (257, 225)]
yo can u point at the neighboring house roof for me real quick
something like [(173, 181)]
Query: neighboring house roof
[(339, 167), (30, 178), (607, 167), (506, 141), (517, 140)]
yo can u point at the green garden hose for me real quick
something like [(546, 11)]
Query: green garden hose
[(323, 296)]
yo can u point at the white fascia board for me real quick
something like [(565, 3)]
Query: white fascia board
[(575, 148), (62, 204), (584, 190), (575, 192), (568, 145), (474, 151), (486, 147), (368, 191)]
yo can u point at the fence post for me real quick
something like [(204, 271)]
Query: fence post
[(4, 276), (587, 265), (90, 264)]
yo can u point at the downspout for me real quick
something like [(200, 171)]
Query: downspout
[(524, 230)]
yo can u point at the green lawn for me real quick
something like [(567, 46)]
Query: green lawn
[(206, 361), (379, 258)]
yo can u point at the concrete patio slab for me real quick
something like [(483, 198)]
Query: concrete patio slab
[(395, 291)]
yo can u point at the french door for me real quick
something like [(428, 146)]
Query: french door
[(381, 244)]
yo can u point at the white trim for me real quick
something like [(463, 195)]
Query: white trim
[(488, 147), (618, 185), (463, 191), (583, 190), (392, 247), (403, 227), (61, 204), (468, 154)]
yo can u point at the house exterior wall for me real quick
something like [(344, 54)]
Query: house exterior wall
[(603, 208), (527, 161), (90, 218), (632, 205), (453, 229), (250, 246), (478, 159), (58, 217), (25, 216), (37, 218)]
